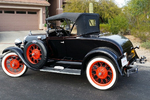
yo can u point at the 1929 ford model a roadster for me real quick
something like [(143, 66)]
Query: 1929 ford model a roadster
[(102, 58)]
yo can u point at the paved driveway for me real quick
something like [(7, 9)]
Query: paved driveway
[(7, 38), (48, 86)]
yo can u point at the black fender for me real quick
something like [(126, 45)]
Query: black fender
[(101, 51), (19, 52)]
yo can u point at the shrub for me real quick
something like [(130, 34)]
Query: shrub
[(45, 25), (146, 44), (142, 32), (104, 27), (118, 24)]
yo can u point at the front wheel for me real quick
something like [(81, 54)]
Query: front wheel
[(102, 73), (12, 65)]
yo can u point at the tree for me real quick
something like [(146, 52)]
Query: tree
[(138, 16), (118, 24), (139, 10), (105, 8)]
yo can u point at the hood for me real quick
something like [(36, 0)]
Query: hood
[(34, 37)]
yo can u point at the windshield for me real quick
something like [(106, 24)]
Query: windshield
[(64, 25)]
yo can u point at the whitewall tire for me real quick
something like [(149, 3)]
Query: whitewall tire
[(12, 65), (101, 73)]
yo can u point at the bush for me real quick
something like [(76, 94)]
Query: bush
[(142, 33), (45, 25), (146, 44), (104, 27), (119, 24)]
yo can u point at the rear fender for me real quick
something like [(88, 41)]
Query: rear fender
[(19, 52), (99, 52)]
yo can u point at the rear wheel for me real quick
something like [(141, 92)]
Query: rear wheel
[(101, 73), (12, 65)]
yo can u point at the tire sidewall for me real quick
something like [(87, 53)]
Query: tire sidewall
[(4, 69), (109, 62), (43, 48)]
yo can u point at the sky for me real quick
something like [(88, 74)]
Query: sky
[(121, 3)]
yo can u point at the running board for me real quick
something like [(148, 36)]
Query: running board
[(61, 70), (69, 62)]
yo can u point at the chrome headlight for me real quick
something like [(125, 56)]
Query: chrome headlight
[(18, 42)]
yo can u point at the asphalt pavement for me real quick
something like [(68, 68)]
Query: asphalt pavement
[(7, 38), (35, 85)]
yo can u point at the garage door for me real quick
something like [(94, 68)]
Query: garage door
[(14, 20)]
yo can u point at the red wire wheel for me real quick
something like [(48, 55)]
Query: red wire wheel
[(34, 54), (101, 73), (12, 65)]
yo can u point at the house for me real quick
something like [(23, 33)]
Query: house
[(27, 14)]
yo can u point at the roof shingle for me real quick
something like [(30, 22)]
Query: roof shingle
[(27, 2)]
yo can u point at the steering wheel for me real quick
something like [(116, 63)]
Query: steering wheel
[(60, 33)]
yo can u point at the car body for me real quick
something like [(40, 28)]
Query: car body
[(88, 51)]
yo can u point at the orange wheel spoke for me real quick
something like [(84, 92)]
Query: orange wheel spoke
[(93, 69), (101, 73), (34, 54), (9, 68), (20, 68), (13, 63), (106, 65)]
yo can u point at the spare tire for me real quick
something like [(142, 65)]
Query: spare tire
[(35, 54)]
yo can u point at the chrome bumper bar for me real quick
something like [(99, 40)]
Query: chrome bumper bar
[(132, 70), (142, 60)]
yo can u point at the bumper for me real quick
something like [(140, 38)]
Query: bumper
[(134, 68), (142, 60)]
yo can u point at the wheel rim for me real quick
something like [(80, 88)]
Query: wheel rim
[(34, 54), (13, 64), (101, 73)]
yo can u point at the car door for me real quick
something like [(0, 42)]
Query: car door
[(57, 45), (77, 48)]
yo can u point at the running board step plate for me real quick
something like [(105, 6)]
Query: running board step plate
[(69, 62), (62, 71)]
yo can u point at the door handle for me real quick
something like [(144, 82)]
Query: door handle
[(62, 42)]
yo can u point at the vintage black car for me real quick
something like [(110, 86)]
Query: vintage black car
[(86, 50)]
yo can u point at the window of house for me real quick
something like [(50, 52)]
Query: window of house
[(29, 12), (20, 12), (92, 22), (9, 12)]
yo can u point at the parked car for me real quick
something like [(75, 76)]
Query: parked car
[(87, 50)]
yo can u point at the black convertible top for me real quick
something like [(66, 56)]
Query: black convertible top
[(82, 21), (67, 16), (64, 16)]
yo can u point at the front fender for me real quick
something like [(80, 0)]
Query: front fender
[(19, 52), (105, 52)]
